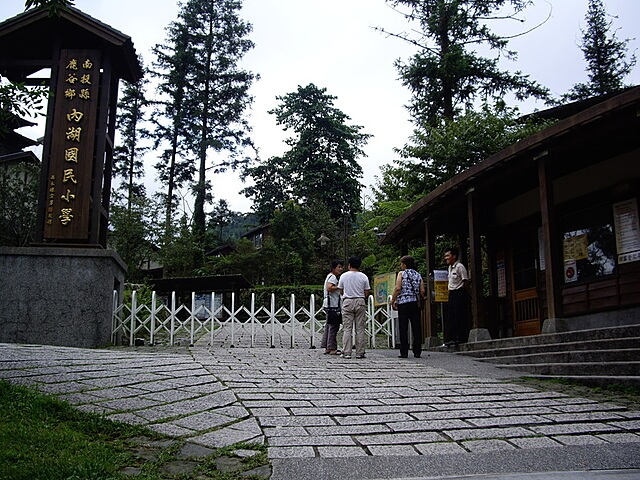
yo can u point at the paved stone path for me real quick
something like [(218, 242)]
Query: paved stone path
[(307, 405)]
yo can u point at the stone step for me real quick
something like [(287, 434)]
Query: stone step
[(625, 331), (591, 345), (572, 356), (578, 369), (595, 380)]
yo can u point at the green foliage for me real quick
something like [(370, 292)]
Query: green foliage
[(170, 116), (606, 56), (18, 204), (133, 234), (54, 7), (291, 254), (283, 294), (18, 100), (447, 75), (437, 153), (321, 165), (127, 160), (181, 252), (219, 89)]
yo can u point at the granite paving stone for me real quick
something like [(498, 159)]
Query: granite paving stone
[(399, 438), (291, 452), (620, 437), (439, 448), (534, 442), (578, 439), (336, 452), (509, 420), (570, 428), (396, 418), (289, 441), (392, 450), (490, 445), (484, 433), (304, 405)]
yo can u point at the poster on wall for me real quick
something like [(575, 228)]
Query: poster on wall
[(625, 217), (576, 247), (501, 273), (383, 286)]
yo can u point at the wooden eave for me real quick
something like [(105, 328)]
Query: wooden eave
[(570, 143), (26, 44)]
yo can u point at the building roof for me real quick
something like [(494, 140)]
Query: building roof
[(26, 42), (606, 128)]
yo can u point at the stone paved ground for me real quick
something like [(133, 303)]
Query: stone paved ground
[(308, 405)]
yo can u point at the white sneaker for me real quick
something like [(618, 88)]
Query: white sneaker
[(344, 355)]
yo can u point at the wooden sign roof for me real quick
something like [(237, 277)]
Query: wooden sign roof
[(28, 42)]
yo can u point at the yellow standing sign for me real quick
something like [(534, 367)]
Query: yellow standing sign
[(441, 285)]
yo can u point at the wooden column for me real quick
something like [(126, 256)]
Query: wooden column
[(429, 316), (552, 258), (475, 261)]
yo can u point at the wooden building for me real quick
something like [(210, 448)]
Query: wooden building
[(549, 224)]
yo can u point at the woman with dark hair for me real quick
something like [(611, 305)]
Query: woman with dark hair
[(406, 297), (331, 299)]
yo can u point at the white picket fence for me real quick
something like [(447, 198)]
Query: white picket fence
[(300, 325)]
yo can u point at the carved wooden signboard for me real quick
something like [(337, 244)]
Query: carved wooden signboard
[(71, 165)]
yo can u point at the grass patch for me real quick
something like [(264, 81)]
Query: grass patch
[(44, 438)]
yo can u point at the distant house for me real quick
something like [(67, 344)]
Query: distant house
[(555, 218), (221, 251), (258, 235)]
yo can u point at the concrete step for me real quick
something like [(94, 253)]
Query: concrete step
[(587, 345), (595, 380), (572, 356), (625, 331), (611, 369)]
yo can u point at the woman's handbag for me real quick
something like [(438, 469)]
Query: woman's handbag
[(334, 314)]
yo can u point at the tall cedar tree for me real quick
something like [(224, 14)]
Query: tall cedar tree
[(170, 116), (218, 90), (445, 77), (447, 81), (606, 56), (128, 163), (321, 165)]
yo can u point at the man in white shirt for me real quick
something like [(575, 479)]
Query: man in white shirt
[(355, 288), (458, 283)]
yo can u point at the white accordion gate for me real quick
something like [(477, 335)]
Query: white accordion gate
[(300, 325)]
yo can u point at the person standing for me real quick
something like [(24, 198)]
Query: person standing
[(458, 283), (354, 287), (406, 296), (331, 299)]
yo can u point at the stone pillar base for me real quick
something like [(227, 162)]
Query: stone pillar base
[(431, 342), (479, 335), (58, 295), (555, 325)]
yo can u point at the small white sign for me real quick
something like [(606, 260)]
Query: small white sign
[(570, 271)]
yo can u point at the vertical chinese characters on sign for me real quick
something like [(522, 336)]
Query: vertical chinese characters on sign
[(72, 152)]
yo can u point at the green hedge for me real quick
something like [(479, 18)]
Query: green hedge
[(282, 293)]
